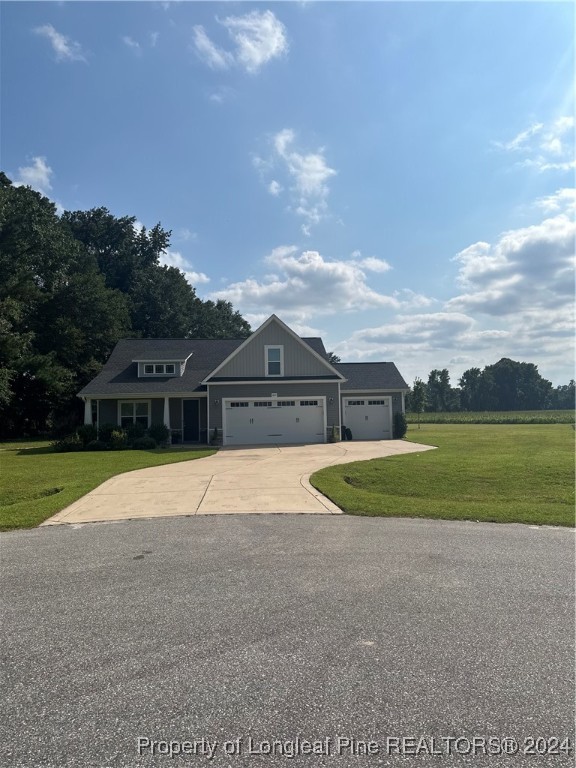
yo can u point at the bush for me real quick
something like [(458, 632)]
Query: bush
[(144, 444), (118, 440), (68, 444), (87, 433), (96, 445), (105, 432), (160, 433), (400, 426), (134, 432)]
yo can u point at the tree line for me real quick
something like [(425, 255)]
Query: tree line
[(505, 386), (71, 285)]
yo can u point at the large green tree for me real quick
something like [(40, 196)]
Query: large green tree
[(70, 287)]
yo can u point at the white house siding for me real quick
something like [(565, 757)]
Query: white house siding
[(299, 360)]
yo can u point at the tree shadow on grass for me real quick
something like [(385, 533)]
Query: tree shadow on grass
[(34, 451)]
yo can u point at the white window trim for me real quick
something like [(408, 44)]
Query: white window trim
[(273, 375), (119, 413), (142, 374)]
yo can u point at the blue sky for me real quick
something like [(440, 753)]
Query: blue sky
[(396, 177)]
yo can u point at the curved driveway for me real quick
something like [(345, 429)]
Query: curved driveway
[(265, 479)]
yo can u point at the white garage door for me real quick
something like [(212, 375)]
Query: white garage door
[(256, 422), (369, 418)]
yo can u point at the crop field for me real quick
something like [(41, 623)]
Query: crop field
[(493, 417)]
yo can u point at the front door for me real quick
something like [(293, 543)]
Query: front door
[(190, 421)]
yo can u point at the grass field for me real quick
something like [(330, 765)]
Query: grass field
[(35, 482), (493, 417), (504, 473)]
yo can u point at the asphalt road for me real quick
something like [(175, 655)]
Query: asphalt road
[(285, 627)]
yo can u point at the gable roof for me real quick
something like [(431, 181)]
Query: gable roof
[(370, 376), (250, 340), (119, 376)]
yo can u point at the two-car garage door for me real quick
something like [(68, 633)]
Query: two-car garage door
[(257, 422), (368, 418)]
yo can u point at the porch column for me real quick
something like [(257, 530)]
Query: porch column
[(167, 417), (87, 410)]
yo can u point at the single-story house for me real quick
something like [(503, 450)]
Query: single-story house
[(273, 387)]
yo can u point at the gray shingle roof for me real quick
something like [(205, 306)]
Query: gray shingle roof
[(119, 376), (369, 376)]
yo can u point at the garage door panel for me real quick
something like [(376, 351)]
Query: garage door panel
[(253, 422), (368, 418)]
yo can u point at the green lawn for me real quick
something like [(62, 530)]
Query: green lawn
[(35, 482), (504, 473)]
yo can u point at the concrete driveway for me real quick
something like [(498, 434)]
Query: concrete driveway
[(235, 480)]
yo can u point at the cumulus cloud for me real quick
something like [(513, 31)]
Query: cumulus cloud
[(527, 267), (516, 300), (544, 147), (307, 176), (257, 37), (305, 284), (64, 48), (36, 176), (175, 259)]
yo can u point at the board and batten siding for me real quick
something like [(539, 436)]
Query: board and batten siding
[(289, 390), (299, 360)]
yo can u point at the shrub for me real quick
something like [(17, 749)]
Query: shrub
[(105, 432), (96, 445), (160, 433), (118, 440), (400, 426), (134, 432), (87, 433), (68, 444), (144, 444)]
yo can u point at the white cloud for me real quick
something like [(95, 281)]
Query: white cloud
[(305, 284), (275, 188), (516, 300), (307, 176), (154, 38), (259, 38), (527, 267), (175, 259), (132, 44), (64, 48), (211, 54), (544, 147), (36, 176)]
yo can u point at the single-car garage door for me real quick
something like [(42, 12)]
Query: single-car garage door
[(259, 421), (368, 418)]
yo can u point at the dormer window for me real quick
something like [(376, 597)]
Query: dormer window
[(158, 369), (274, 360)]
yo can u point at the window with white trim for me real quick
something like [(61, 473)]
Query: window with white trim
[(285, 403), (241, 404), (376, 402), (159, 369), (274, 357), (263, 404), (355, 402), (134, 412), (308, 402)]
